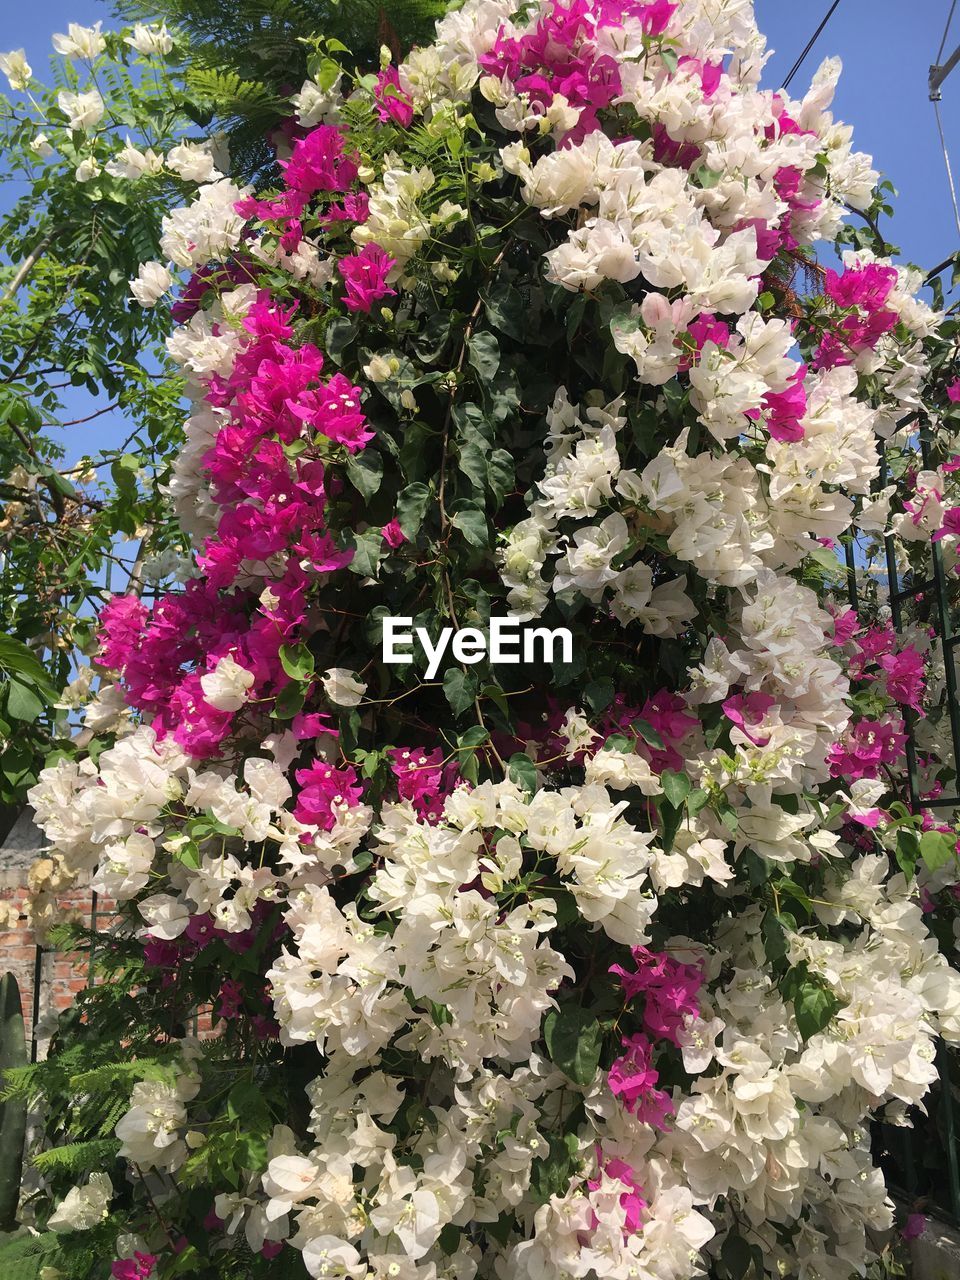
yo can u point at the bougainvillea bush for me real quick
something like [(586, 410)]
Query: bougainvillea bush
[(595, 968)]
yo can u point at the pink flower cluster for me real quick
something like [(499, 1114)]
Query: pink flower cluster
[(272, 509), (139, 1267), (631, 1200), (365, 277), (423, 778), (669, 717), (632, 1078), (392, 103), (273, 503), (669, 988), (324, 789), (561, 55), (747, 712), (862, 293), (162, 654), (867, 748), (670, 993), (877, 656)]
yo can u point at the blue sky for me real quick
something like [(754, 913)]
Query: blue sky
[(886, 47)]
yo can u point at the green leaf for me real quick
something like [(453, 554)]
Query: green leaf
[(483, 352), (449, 1239), (471, 520), (523, 771), (412, 503), (598, 694), (505, 310), (671, 817), (573, 1037), (501, 474), (736, 1257), (670, 59), (552, 1174), (813, 1006), (297, 661), (288, 702), (675, 786), (368, 550), (791, 889), (365, 472), (15, 656), (907, 851), (460, 688), (937, 848), (773, 933), (23, 701), (341, 331), (697, 800), (649, 734), (473, 463)]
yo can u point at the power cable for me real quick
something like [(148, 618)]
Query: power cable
[(946, 161), (938, 73), (812, 41), (946, 32)]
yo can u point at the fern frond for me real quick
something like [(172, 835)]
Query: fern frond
[(76, 1158), (248, 56)]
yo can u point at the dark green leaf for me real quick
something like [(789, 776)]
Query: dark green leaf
[(460, 688), (573, 1037), (484, 354), (297, 661), (675, 786), (523, 771), (412, 504)]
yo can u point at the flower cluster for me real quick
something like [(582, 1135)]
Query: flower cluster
[(580, 972)]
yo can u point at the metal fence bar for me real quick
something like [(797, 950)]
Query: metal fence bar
[(931, 595), (37, 981), (950, 1128), (896, 597)]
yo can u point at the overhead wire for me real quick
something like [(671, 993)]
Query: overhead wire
[(946, 31), (811, 42), (946, 161), (935, 99)]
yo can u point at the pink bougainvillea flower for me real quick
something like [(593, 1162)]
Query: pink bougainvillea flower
[(914, 1227), (139, 1267), (845, 626), (392, 103), (632, 1078), (670, 990), (950, 526), (393, 535), (746, 711), (323, 789), (631, 1201), (423, 778), (786, 409), (365, 277), (318, 163)]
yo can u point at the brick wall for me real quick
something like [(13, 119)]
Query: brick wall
[(61, 974)]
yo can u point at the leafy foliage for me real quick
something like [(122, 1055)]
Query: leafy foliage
[(248, 56), (70, 334)]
